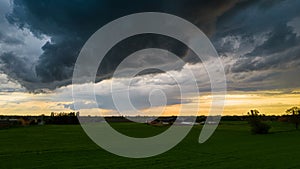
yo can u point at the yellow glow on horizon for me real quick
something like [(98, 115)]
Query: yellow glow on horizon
[(18, 103), (272, 103), (237, 103)]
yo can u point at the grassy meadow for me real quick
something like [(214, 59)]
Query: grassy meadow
[(231, 146)]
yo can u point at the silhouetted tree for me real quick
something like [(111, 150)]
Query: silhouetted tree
[(295, 112)]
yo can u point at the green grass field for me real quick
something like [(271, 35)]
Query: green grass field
[(231, 146)]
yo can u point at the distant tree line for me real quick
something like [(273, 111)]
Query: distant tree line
[(62, 118), (255, 119)]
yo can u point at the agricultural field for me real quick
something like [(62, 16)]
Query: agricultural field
[(231, 146)]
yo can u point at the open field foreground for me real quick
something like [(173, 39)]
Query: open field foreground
[(231, 146)]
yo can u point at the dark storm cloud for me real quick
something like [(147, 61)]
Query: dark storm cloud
[(255, 34), (281, 38), (262, 43), (9, 40), (70, 23), (254, 18), (16, 67), (276, 52)]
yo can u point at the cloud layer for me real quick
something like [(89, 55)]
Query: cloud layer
[(258, 40), (69, 25)]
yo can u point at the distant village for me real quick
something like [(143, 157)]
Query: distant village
[(54, 118)]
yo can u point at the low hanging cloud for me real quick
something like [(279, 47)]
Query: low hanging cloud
[(169, 89)]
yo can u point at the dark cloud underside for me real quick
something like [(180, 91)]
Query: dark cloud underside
[(255, 36), (71, 23), (264, 47)]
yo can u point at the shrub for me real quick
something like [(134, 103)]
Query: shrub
[(257, 126), (260, 128)]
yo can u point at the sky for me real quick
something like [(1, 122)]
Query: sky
[(258, 42)]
